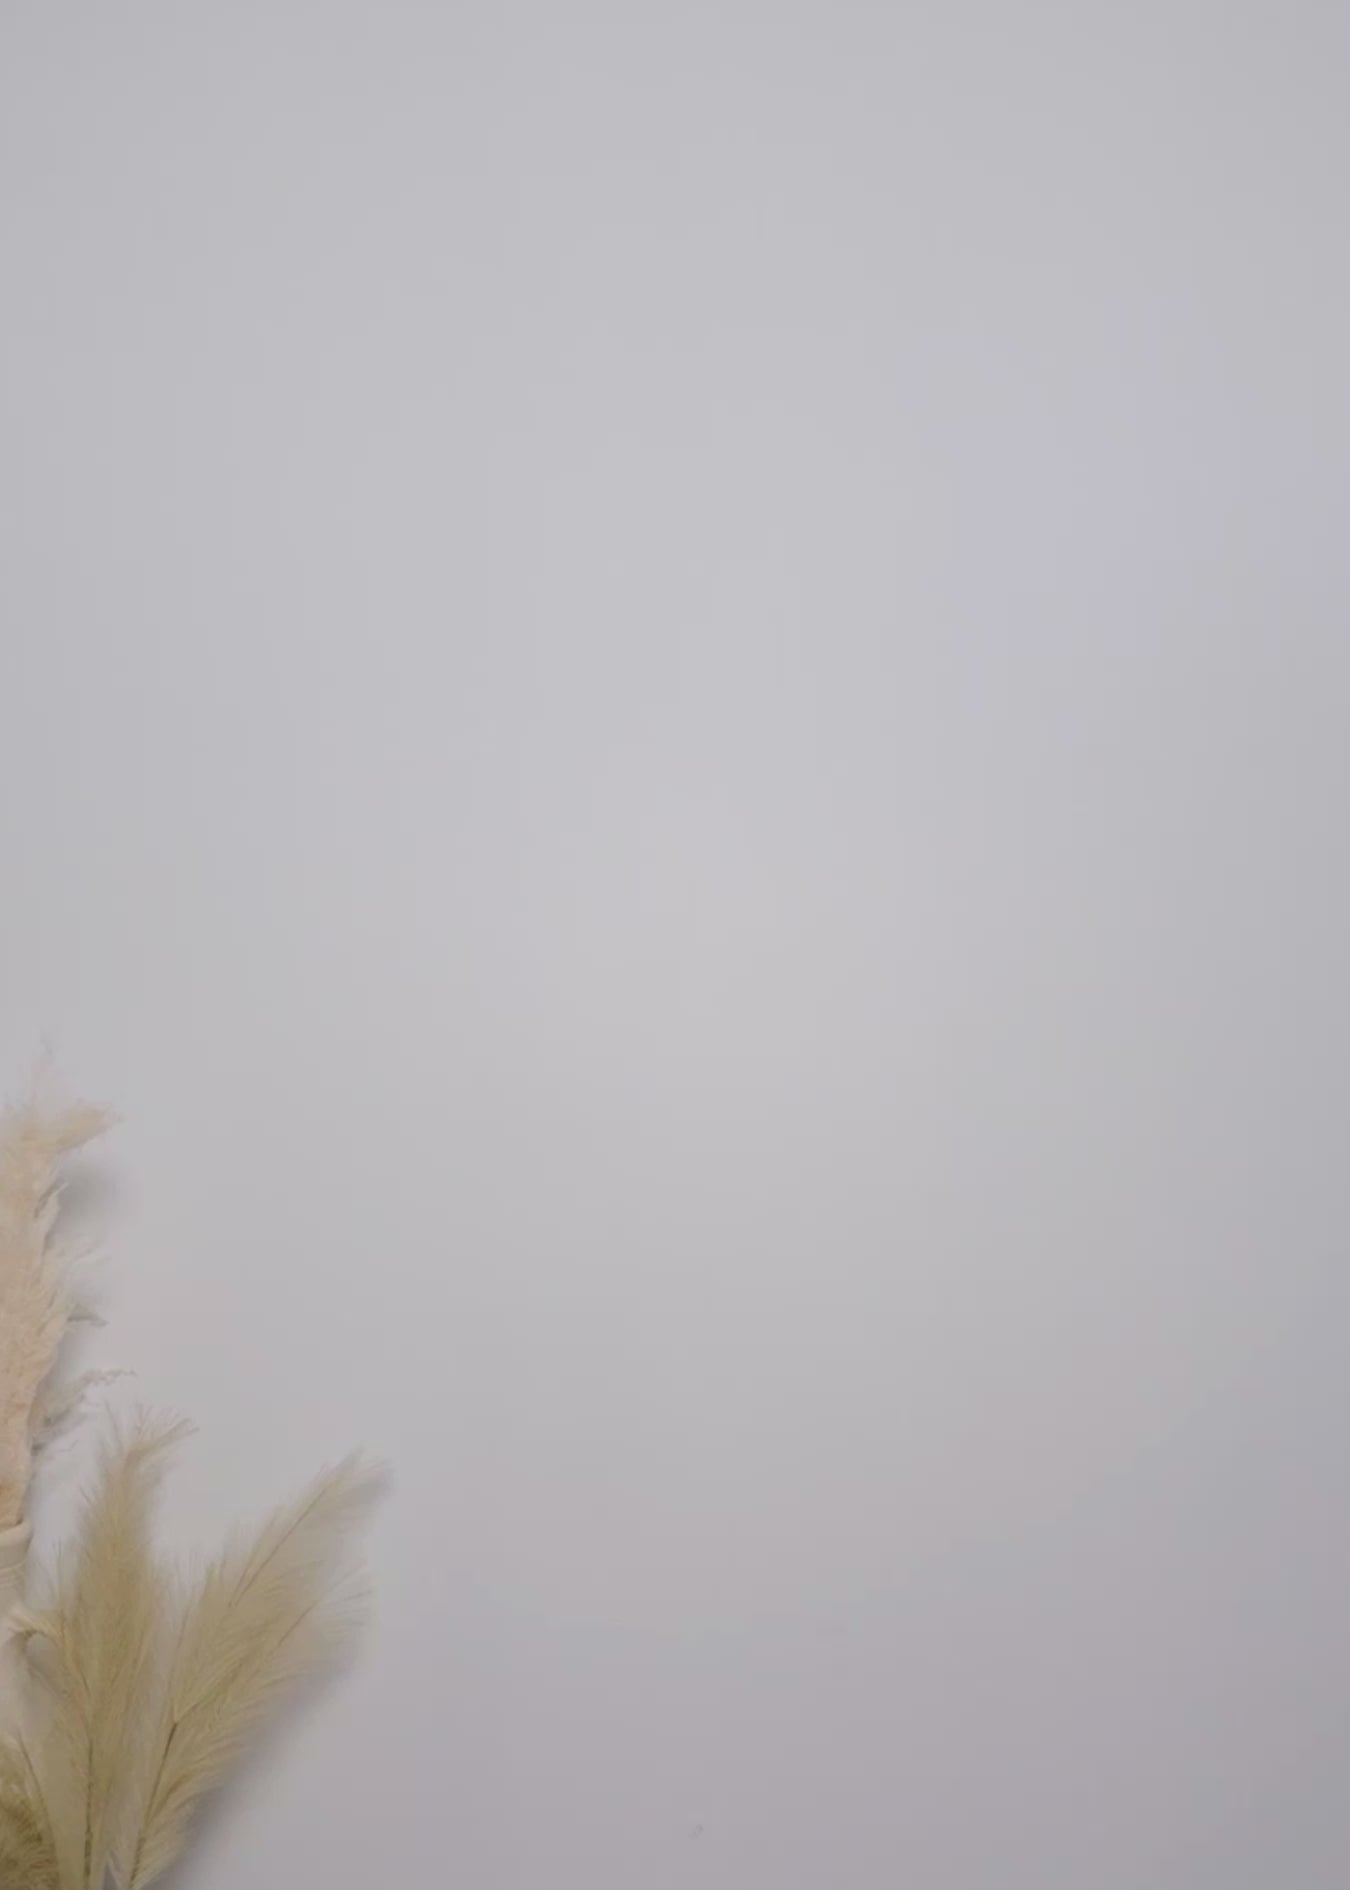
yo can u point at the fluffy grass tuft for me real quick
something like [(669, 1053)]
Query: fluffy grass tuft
[(36, 1303)]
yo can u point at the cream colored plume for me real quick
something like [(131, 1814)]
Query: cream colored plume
[(147, 1689), (127, 1691), (36, 1305)]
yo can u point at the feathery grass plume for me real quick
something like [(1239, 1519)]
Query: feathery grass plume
[(149, 1693), (27, 1851), (36, 1306), (144, 1688), (98, 1647), (265, 1615)]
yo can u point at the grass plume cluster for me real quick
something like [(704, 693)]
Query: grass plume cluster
[(135, 1688)]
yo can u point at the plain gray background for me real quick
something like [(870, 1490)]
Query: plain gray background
[(674, 702)]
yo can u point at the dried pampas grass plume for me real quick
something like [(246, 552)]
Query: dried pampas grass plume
[(36, 1303), (94, 1648), (148, 1687), (142, 1686), (267, 1614)]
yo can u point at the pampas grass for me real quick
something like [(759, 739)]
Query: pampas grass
[(94, 1649), (266, 1615), (147, 1686), (144, 1684), (36, 1301)]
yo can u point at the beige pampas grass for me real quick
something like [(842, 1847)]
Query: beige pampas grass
[(265, 1615), (147, 1688), (143, 1685), (94, 1647), (36, 1304), (27, 1854)]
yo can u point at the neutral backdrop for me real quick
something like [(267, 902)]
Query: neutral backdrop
[(674, 725)]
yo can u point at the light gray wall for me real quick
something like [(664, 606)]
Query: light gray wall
[(674, 725)]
